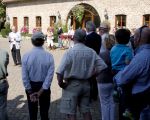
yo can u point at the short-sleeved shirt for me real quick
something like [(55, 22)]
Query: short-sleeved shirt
[(80, 62), (119, 55)]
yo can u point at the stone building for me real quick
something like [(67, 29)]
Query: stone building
[(44, 13)]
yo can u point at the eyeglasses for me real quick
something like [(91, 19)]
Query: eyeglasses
[(141, 29)]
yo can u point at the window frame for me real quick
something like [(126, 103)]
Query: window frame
[(121, 20), (26, 23), (38, 21), (144, 17), (52, 20)]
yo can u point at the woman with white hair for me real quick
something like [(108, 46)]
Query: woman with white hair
[(105, 79)]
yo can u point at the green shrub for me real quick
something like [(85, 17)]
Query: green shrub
[(65, 29), (7, 25), (5, 32), (55, 35)]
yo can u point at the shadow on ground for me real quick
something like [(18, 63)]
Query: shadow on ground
[(18, 110)]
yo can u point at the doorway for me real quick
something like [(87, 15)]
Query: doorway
[(90, 14)]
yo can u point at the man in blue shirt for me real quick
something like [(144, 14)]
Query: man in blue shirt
[(137, 73), (37, 75)]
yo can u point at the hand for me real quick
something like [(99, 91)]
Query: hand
[(34, 97), (39, 93), (63, 85)]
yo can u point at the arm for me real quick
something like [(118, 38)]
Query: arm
[(130, 73), (9, 37), (50, 74), (25, 75), (7, 58), (99, 65), (61, 69), (129, 56)]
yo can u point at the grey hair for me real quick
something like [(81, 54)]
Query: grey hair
[(79, 35), (90, 26)]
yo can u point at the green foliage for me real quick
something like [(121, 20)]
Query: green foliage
[(65, 29), (78, 12), (2, 10), (7, 25), (5, 32), (55, 33)]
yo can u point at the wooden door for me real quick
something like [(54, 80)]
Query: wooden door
[(15, 22)]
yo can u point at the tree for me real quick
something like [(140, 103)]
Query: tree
[(2, 14), (78, 12)]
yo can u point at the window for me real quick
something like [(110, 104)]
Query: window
[(38, 21), (52, 20), (15, 22), (26, 21), (146, 20), (120, 21)]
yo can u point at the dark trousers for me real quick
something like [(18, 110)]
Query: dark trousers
[(93, 89), (125, 100), (44, 102), (16, 55), (139, 102)]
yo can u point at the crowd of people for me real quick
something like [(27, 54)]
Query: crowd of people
[(114, 68)]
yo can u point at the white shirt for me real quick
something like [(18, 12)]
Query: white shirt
[(71, 32), (14, 39), (80, 62)]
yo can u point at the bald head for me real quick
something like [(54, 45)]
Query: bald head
[(13, 28), (142, 36)]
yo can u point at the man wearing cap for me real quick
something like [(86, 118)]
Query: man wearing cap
[(37, 75), (14, 39), (4, 60), (78, 65)]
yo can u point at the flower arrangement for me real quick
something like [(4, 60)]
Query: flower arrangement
[(36, 29), (24, 30)]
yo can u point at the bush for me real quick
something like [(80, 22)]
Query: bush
[(5, 32), (65, 29), (7, 25), (55, 34)]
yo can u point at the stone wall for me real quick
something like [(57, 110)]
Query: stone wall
[(134, 9)]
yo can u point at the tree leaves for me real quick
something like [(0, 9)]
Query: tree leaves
[(78, 12), (2, 10)]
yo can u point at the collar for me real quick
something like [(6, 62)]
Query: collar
[(89, 32), (38, 48), (121, 45), (79, 44)]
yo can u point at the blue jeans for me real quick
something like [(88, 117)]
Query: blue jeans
[(3, 100), (109, 108)]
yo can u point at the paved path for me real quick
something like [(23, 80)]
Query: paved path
[(17, 102)]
